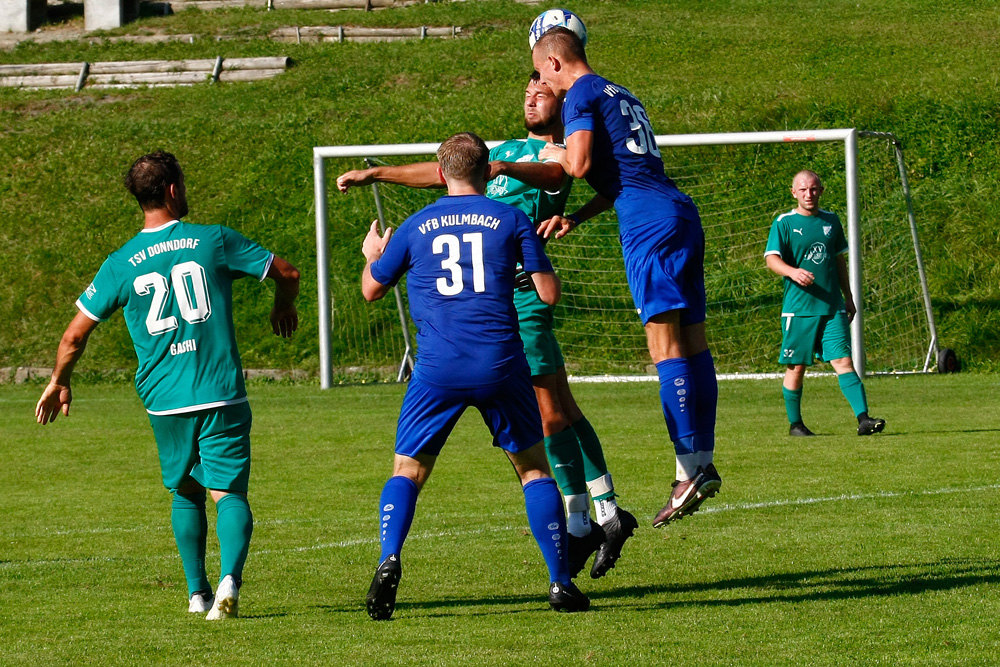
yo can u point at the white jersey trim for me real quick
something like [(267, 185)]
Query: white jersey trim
[(86, 312), (772, 252), (160, 228), (196, 408), (267, 266)]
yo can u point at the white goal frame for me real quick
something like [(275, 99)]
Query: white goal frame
[(848, 136)]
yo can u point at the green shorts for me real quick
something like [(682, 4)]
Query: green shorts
[(212, 447), (536, 321), (808, 336)]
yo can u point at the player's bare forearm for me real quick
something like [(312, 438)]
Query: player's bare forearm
[(284, 316), (417, 175), (579, 147), (800, 277), (548, 286), (372, 248), (548, 176), (57, 396), (564, 224)]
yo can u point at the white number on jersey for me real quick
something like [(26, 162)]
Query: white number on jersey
[(191, 288), (451, 263), (644, 141)]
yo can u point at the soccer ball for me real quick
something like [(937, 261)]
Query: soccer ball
[(556, 17)]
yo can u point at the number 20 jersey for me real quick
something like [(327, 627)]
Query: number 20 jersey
[(460, 255), (626, 166), (174, 284)]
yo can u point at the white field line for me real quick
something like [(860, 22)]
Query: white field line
[(10, 565)]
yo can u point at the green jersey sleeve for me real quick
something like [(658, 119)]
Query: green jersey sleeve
[(243, 256), (775, 239), (103, 296)]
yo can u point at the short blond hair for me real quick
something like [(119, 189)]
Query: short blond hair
[(563, 42), (463, 157)]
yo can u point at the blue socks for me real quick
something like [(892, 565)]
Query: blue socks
[(706, 402), (396, 507), (677, 398), (187, 518), (548, 525)]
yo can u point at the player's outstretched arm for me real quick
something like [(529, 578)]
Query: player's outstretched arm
[(800, 277), (548, 286), (548, 176), (284, 316), (58, 395), (417, 175), (372, 248), (563, 225)]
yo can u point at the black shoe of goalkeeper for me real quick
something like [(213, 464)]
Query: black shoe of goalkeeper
[(869, 425), (582, 548), (618, 530), (381, 598), (800, 430), (567, 597)]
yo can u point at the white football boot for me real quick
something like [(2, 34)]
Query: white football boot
[(227, 600)]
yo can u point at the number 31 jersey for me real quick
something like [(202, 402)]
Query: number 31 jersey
[(460, 255), (174, 284), (626, 166)]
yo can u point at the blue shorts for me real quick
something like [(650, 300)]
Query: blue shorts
[(665, 265), (429, 414)]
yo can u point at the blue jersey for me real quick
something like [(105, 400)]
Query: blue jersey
[(461, 253), (626, 166)]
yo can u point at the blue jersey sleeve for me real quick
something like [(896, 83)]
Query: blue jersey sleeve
[(103, 296), (578, 110), (243, 256), (395, 261), (532, 255)]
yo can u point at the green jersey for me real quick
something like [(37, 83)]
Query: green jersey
[(174, 284), (537, 204), (810, 242)]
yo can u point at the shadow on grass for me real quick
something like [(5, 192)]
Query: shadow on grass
[(818, 585), (804, 586)]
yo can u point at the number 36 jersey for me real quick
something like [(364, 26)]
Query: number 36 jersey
[(174, 284), (626, 166), (460, 255)]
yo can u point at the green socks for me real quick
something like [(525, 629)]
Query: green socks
[(854, 392), (234, 528), (563, 451), (594, 465), (793, 404), (187, 518)]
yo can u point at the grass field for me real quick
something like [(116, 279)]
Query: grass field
[(835, 550)]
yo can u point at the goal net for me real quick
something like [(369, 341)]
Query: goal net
[(740, 182)]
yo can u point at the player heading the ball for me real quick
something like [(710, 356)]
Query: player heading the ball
[(610, 142)]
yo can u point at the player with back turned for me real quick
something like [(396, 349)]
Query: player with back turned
[(174, 282), (609, 141), (460, 256)]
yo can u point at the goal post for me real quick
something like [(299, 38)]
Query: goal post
[(736, 211)]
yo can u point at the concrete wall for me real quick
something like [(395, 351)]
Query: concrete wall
[(21, 15)]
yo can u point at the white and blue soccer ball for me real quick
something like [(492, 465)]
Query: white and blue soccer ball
[(556, 17)]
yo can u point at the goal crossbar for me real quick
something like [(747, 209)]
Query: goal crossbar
[(849, 136)]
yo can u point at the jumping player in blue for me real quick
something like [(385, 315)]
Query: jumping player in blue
[(609, 141), (460, 254)]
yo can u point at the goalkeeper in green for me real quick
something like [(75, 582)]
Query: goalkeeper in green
[(540, 189), (806, 247)]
